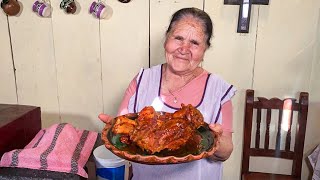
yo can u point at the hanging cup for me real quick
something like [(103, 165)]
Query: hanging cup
[(10, 7), (98, 9), (69, 6), (42, 9), (124, 1)]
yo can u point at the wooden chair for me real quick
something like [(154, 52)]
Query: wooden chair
[(269, 106)]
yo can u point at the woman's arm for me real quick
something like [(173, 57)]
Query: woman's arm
[(225, 147), (226, 144), (123, 109)]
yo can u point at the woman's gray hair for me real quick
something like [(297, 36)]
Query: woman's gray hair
[(196, 13)]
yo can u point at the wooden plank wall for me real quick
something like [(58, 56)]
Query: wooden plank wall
[(124, 49), (285, 44), (285, 48), (63, 61), (236, 67), (33, 55), (77, 54), (7, 87)]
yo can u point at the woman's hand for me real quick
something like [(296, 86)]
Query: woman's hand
[(105, 118), (225, 143), (217, 129)]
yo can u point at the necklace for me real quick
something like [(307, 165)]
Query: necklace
[(175, 99)]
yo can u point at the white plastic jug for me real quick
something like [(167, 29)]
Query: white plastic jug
[(109, 166)]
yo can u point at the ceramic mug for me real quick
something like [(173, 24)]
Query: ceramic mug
[(10, 7), (124, 1), (42, 9), (69, 6), (98, 10)]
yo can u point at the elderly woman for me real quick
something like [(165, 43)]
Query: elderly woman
[(182, 80)]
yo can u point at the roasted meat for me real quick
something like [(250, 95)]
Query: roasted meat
[(190, 113), (123, 125), (154, 132)]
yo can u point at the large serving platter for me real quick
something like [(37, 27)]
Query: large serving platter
[(208, 144)]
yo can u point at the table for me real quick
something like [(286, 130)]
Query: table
[(18, 125)]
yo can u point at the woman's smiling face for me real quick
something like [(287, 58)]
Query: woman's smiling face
[(185, 45)]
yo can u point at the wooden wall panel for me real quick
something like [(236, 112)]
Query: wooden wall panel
[(7, 88), (313, 124), (232, 53), (33, 55), (232, 57), (160, 16), (77, 54), (285, 45), (124, 48)]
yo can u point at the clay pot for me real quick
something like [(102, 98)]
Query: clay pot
[(10, 7), (69, 6), (124, 1)]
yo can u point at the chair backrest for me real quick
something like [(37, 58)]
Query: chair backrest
[(270, 105)]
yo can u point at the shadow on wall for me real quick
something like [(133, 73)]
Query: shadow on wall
[(76, 120)]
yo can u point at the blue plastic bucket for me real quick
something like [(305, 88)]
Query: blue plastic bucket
[(109, 166)]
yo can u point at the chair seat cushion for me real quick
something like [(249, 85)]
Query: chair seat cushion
[(266, 176)]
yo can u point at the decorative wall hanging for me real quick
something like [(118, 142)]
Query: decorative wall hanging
[(245, 12), (98, 9), (41, 8), (69, 6), (124, 1), (10, 7)]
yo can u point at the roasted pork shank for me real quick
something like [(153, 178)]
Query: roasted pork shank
[(154, 132)]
